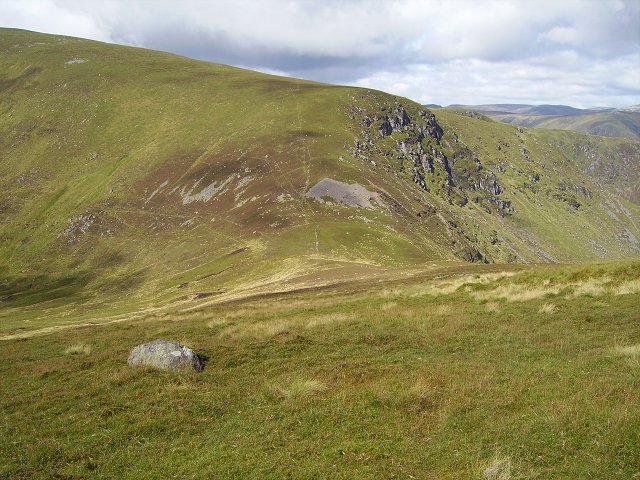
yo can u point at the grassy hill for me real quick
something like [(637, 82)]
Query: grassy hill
[(126, 168), (373, 287), (608, 122)]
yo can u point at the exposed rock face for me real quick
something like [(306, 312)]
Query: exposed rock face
[(418, 153), (163, 355), (578, 189), (410, 144)]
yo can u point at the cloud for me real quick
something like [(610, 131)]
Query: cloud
[(580, 51), (47, 16), (551, 78)]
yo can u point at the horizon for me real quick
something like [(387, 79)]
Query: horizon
[(585, 54)]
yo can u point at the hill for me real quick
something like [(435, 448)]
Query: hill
[(175, 180), (372, 287), (611, 122)]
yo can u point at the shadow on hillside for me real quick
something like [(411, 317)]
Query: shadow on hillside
[(22, 291)]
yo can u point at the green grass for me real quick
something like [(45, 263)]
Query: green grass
[(408, 379), (614, 124), (146, 195), (132, 137)]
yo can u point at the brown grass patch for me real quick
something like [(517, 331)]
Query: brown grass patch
[(78, 349), (548, 308), (298, 388)]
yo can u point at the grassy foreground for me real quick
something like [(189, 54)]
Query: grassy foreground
[(529, 374)]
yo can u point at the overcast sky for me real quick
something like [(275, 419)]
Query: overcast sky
[(584, 53)]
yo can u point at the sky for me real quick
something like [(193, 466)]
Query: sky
[(584, 53)]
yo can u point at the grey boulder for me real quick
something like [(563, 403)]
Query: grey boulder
[(163, 355)]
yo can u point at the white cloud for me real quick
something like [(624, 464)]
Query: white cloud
[(579, 51), (48, 17), (551, 78)]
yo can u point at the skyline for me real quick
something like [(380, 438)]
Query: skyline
[(581, 53)]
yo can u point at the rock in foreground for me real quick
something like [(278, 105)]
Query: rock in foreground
[(163, 355)]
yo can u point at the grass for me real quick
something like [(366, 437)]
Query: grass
[(393, 359), (328, 384), (632, 351), (548, 308), (299, 388), (78, 349), (498, 469), (147, 137), (627, 288)]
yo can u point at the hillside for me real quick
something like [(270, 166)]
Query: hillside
[(375, 289), (608, 122), (174, 180)]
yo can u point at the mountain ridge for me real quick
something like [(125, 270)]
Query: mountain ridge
[(606, 121)]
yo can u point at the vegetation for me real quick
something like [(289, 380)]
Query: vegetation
[(609, 122), (415, 378), (127, 173), (147, 196)]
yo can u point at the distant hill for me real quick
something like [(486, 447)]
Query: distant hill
[(610, 122)]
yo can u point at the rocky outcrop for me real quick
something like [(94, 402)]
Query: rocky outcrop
[(76, 227), (410, 144), (417, 153), (577, 189), (163, 355)]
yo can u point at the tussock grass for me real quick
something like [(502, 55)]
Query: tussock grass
[(442, 309), (78, 349), (328, 319), (271, 328), (498, 469), (407, 312), (298, 388), (424, 396), (524, 292), (632, 351), (218, 322), (627, 288), (385, 307), (516, 293), (492, 307), (243, 312), (548, 308), (592, 287), (446, 287)]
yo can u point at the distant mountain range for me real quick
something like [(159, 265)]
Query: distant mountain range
[(611, 122)]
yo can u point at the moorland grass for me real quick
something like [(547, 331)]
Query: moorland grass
[(342, 388)]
